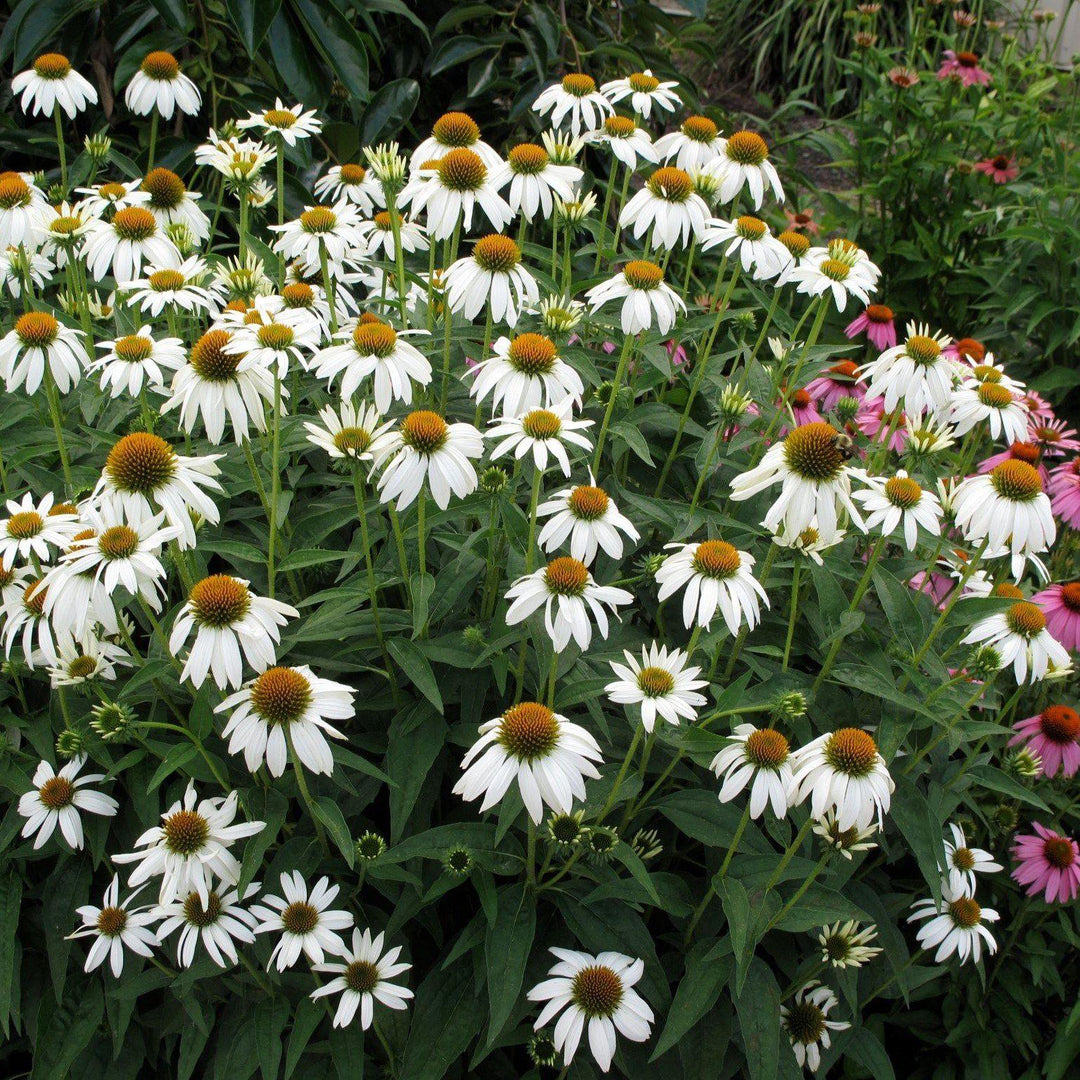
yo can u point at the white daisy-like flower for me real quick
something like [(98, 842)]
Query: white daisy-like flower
[(454, 131), (545, 753), (16, 264), (378, 236), (716, 577), (594, 992), (364, 978), (120, 247), (144, 474), (588, 517), (24, 620), (844, 945), (79, 662), (541, 432), (52, 82), (333, 230), (845, 841), (306, 922), (993, 403), (644, 90), (228, 618), (190, 847), (669, 206), (900, 502), (172, 204), (218, 922), (760, 757), (136, 359), (114, 927), (170, 287), (272, 336), (811, 467), (1007, 508), (962, 863), (835, 275), (743, 161), (915, 374), (629, 143), (283, 705), (240, 161), (842, 771), (492, 277), (102, 200), (451, 188), (575, 98), (215, 386), (350, 431), (39, 340), (425, 446), (758, 250), (697, 142), (929, 434), (536, 181), (63, 228), (309, 301), (646, 298), (160, 85), (350, 183), (957, 926), (662, 685), (57, 799), (289, 125), (525, 372), (568, 594), (807, 1024), (1020, 638), (31, 529), (22, 205), (374, 348), (808, 542)]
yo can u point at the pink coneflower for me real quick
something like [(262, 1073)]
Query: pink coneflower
[(965, 67), (803, 408), (676, 353), (903, 77), (1026, 452), (1053, 437), (1052, 736), (1001, 169), (1061, 606), (1064, 492), (965, 350), (1038, 406), (878, 321), (1049, 863), (836, 382), (802, 221), (873, 421), (936, 586)]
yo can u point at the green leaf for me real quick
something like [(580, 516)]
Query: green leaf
[(64, 1031), (701, 816), (506, 947), (995, 780), (446, 1015), (69, 888), (416, 737), (632, 861), (457, 50), (339, 43), (818, 906), (389, 110), (308, 1015), (329, 813), (421, 586), (10, 906), (294, 64), (252, 19), (416, 668), (174, 12), (270, 1019), (864, 1047), (758, 1007), (748, 918), (698, 991), (920, 830)]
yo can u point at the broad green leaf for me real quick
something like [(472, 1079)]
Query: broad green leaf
[(507, 947), (446, 1015), (758, 1007), (698, 991)]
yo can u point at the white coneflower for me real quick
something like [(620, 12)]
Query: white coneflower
[(541, 432), (492, 277), (451, 190), (130, 361), (143, 474), (120, 247), (928, 434), (274, 337), (806, 1021), (842, 771), (50, 82), (808, 542), (425, 446), (562, 147), (915, 375), (24, 621), (693, 146), (286, 705), (962, 863), (645, 295), (304, 919), (218, 923), (352, 432), (525, 372), (627, 141), (214, 385), (1020, 638), (1007, 508), (845, 841), (227, 618), (378, 236), (957, 925), (536, 181), (172, 204), (661, 685), (993, 403), (63, 228), (39, 340), (669, 206), (352, 183), (78, 662), (454, 131), (114, 927), (743, 161), (577, 98), (364, 978), (330, 232), (308, 301), (18, 264), (190, 847), (240, 161), (750, 238), (168, 287), (716, 577), (568, 594), (597, 993), (21, 208), (844, 945), (32, 528), (588, 517), (760, 757), (832, 274), (644, 90), (289, 125), (57, 798), (811, 466), (899, 502), (545, 753), (102, 200), (374, 348), (160, 85)]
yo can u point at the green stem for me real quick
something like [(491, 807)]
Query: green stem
[(154, 120), (52, 395), (61, 149), (800, 891), (792, 614), (305, 792), (275, 487), (622, 775), (620, 374), (789, 854)]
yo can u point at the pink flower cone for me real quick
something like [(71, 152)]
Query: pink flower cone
[(1038, 406), (1064, 492), (803, 409), (873, 423), (965, 67), (1061, 606), (1052, 735), (1001, 169), (1048, 863), (836, 382), (878, 323), (802, 221), (1026, 452), (1053, 437), (966, 351)]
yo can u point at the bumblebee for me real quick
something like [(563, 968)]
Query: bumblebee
[(845, 445)]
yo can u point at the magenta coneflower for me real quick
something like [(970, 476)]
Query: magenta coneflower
[(836, 382), (1053, 437), (1037, 405), (1047, 863), (874, 422), (803, 408), (878, 323), (936, 586), (965, 67), (1054, 737), (1064, 492), (1001, 168), (902, 77), (802, 221), (1061, 606), (965, 351), (1027, 452)]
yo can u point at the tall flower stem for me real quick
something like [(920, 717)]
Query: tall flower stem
[(530, 553), (800, 892), (399, 257), (275, 486), (792, 614), (767, 323), (280, 162), (622, 774), (740, 638), (620, 374), (328, 286), (305, 792), (53, 397), (604, 213), (710, 891), (789, 854), (449, 252), (154, 120), (61, 149), (618, 212)]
